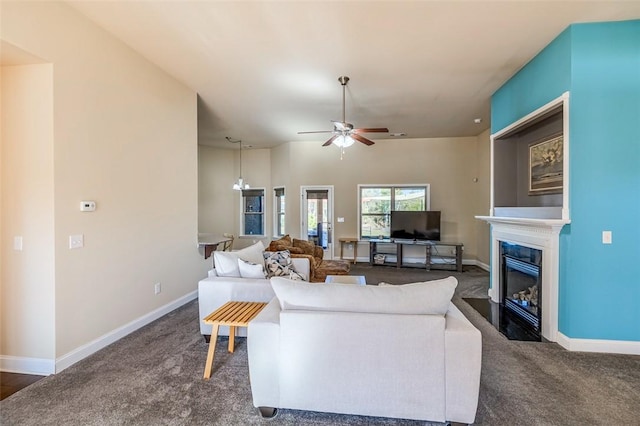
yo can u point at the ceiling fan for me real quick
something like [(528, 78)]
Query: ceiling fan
[(344, 134)]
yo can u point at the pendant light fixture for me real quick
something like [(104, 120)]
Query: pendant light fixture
[(240, 184)]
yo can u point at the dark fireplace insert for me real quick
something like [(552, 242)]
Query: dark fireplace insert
[(521, 287)]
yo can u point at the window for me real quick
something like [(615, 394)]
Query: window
[(252, 219), (377, 202), (279, 203)]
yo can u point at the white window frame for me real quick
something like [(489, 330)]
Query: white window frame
[(277, 213), (427, 193), (243, 213)]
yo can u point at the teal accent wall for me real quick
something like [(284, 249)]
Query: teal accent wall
[(599, 284), (544, 78)]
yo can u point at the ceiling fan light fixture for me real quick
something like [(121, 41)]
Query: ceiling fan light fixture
[(343, 141)]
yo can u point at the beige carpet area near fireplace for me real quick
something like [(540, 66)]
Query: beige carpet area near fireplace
[(154, 377)]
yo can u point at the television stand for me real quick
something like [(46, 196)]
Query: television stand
[(433, 254)]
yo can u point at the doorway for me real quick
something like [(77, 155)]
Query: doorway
[(317, 217)]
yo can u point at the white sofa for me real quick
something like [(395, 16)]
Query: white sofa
[(214, 291), (395, 351)]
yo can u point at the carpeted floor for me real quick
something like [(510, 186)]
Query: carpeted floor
[(154, 377)]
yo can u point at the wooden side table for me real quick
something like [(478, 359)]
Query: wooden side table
[(353, 241), (233, 314)]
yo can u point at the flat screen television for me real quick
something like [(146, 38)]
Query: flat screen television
[(422, 225)]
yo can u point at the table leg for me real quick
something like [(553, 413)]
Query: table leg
[(212, 350), (232, 338)]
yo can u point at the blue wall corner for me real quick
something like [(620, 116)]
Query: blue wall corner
[(544, 78), (599, 64)]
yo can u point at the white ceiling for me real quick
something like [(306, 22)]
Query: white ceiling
[(265, 70)]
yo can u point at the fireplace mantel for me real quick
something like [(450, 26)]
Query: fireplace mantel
[(552, 225), (541, 234)]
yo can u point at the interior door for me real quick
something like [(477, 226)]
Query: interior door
[(317, 217)]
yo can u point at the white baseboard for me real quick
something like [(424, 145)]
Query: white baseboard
[(624, 347), (84, 351), (22, 365), (480, 265), (44, 367)]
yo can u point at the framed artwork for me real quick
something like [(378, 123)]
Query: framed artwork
[(546, 166)]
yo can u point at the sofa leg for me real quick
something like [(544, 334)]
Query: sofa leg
[(454, 424), (268, 412), (207, 337)]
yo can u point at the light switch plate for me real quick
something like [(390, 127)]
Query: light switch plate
[(17, 243), (76, 241), (606, 237), (341, 219)]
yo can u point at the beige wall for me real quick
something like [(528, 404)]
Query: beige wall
[(216, 175), (450, 165), (27, 286), (124, 135), (483, 194), (218, 203)]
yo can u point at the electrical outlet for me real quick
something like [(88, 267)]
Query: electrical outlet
[(157, 288), (17, 243), (76, 241)]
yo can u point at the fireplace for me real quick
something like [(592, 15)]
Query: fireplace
[(521, 287), (544, 236)]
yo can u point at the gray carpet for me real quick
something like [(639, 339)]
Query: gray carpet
[(154, 377)]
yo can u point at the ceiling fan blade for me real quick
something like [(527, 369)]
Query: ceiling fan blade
[(362, 139), (316, 131), (371, 130), (330, 141)]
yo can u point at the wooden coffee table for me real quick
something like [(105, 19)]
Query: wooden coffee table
[(233, 314)]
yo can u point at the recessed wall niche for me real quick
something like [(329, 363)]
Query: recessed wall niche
[(514, 193)]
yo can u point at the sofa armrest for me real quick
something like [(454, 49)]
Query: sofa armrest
[(302, 266), (263, 347), (310, 260), (463, 359)]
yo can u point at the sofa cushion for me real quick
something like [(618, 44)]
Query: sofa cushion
[(252, 254), (307, 246), (226, 262), (429, 297), (280, 244), (251, 270)]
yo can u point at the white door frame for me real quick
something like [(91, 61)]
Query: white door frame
[(328, 253)]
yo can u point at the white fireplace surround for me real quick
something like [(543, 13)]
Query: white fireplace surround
[(541, 234)]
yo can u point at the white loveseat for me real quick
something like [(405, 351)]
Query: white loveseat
[(395, 351), (226, 283)]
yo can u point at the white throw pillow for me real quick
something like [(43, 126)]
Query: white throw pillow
[(252, 254), (429, 297), (250, 270), (226, 263)]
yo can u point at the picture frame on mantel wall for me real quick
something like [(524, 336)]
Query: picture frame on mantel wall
[(546, 166)]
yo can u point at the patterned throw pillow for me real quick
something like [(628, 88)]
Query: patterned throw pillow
[(293, 275), (278, 263)]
